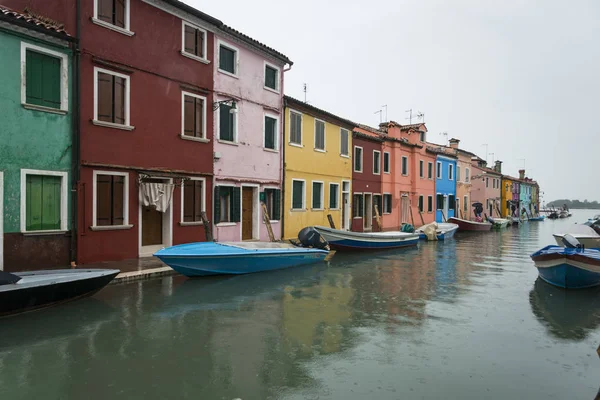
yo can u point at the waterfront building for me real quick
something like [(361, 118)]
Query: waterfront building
[(487, 187), (366, 180), (36, 171), (510, 196), (528, 195), (445, 182), (464, 173), (318, 168)]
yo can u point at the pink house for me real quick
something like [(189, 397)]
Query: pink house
[(486, 187), (248, 107)]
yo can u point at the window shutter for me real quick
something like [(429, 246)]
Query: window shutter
[(276, 205), (197, 201), (188, 116), (224, 123), (199, 128), (235, 204), (118, 207), (217, 203), (105, 112), (51, 81), (33, 79), (33, 213), (189, 40), (105, 10), (119, 100), (188, 201), (51, 202), (361, 206), (199, 43), (119, 13)]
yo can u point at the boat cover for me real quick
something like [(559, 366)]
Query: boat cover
[(7, 278), (593, 254)]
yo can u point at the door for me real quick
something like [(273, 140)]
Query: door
[(368, 212), (405, 209), (346, 206), (247, 213), (1, 220), (446, 207), (458, 211), (152, 226)]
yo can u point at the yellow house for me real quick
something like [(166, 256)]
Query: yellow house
[(317, 172), (507, 195)]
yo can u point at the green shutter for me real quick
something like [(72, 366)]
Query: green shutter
[(235, 204), (217, 203), (276, 205), (297, 187), (42, 202), (361, 210), (42, 79)]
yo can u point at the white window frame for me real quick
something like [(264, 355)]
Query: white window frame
[(301, 125), (125, 31), (383, 197), (467, 177), (235, 125), (324, 149), (126, 224), (450, 172), (190, 223), (361, 160), (184, 53), (386, 170), (378, 165), (458, 173), (237, 59), (438, 170), (64, 78), (348, 142), (276, 118), (338, 195), (183, 136), (322, 200), (402, 165), (277, 81), (127, 125), (64, 201), (303, 195)]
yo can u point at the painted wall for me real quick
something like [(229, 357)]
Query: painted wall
[(506, 193), (365, 181), (394, 182), (31, 139), (445, 186), (485, 191), (464, 172), (525, 198), (308, 164)]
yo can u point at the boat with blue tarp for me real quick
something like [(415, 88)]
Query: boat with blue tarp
[(568, 267)]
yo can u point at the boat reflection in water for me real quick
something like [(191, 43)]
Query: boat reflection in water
[(568, 314)]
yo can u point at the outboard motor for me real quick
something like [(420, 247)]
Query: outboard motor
[(309, 237), (596, 226), (571, 242)]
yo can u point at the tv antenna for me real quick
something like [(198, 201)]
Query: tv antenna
[(410, 116), (486, 151), (304, 88), (421, 116), (492, 154), (385, 105), (446, 135), (379, 112), (522, 159)]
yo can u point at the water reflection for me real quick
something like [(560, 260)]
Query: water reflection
[(567, 314)]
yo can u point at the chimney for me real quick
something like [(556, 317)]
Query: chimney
[(521, 174), (498, 167), (454, 143)]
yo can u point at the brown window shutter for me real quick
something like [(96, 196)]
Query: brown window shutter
[(199, 43), (119, 13), (103, 200), (197, 200), (188, 116), (189, 40), (119, 100), (188, 201), (105, 10), (105, 109), (117, 200), (199, 129)]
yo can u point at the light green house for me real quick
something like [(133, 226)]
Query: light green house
[(35, 142)]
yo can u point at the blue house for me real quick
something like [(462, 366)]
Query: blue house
[(445, 187)]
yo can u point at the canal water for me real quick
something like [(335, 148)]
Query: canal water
[(462, 319)]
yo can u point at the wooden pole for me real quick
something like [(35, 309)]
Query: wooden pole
[(412, 218), (421, 215), (267, 220), (377, 219), (207, 227), (443, 215), (331, 223)]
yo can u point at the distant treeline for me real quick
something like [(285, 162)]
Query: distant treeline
[(575, 204)]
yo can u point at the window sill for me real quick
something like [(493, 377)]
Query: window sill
[(358, 172), (271, 89), (111, 228), (42, 233), (112, 27), (195, 139), (317, 209), (195, 223), (387, 173), (344, 155), (228, 73), (44, 109), (321, 151), (270, 150), (223, 224), (298, 210), (194, 57), (357, 217), (334, 209), (112, 125), (295, 144), (272, 222), (227, 142)]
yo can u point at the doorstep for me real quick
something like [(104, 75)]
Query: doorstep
[(134, 269)]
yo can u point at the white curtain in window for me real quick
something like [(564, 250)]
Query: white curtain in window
[(157, 195)]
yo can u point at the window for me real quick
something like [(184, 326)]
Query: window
[(344, 142), (429, 170), (358, 159), (194, 116), (317, 195), (193, 197), (467, 175), (194, 42), (319, 135), (227, 204), (452, 203), (273, 203), (487, 182), (357, 205), (422, 168), (421, 203), (422, 136), (376, 162), (295, 128), (451, 172), (227, 123), (113, 14), (111, 199), (439, 202), (465, 204), (298, 194), (429, 204), (43, 200), (376, 204), (387, 203), (457, 209), (404, 165), (271, 77), (45, 78), (334, 196), (439, 170), (457, 173), (111, 98), (386, 162), (228, 59), (271, 128)]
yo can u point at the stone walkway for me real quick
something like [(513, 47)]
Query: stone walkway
[(134, 269)]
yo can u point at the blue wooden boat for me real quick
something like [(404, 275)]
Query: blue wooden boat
[(346, 240), (443, 231), (567, 267), (538, 218), (235, 258)]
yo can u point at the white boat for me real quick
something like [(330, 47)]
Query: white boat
[(583, 233), (439, 231), (346, 240)]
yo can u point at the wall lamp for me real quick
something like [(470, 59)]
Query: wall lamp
[(231, 102)]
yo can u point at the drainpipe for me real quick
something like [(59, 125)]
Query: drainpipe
[(75, 136), (282, 164)]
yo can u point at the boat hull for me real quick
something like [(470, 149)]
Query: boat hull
[(537, 219), (359, 241), (568, 268), (444, 232), (24, 296), (465, 225)]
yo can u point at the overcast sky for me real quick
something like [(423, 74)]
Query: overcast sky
[(519, 75)]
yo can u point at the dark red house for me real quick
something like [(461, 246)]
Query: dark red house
[(366, 180), (145, 132)]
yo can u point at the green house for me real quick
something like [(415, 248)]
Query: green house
[(35, 142)]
